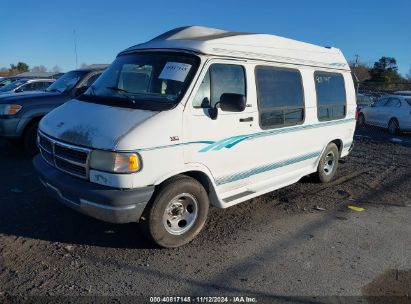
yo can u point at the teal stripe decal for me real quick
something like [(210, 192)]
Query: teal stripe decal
[(262, 169), (230, 142), (206, 142)]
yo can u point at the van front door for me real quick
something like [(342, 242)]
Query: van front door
[(218, 144)]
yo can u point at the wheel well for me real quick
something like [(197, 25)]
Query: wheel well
[(395, 119), (31, 123), (339, 144), (201, 177)]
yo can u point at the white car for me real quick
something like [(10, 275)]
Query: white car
[(390, 112)]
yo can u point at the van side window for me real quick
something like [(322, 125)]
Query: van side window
[(202, 98), (220, 79), (331, 98), (280, 96)]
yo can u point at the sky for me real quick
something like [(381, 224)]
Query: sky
[(41, 32)]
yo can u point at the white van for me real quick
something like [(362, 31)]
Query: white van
[(197, 117)]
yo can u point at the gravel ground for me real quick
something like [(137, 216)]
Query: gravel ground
[(297, 242)]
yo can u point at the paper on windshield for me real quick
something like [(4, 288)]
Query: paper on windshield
[(175, 71)]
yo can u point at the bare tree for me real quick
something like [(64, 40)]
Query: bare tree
[(39, 68), (56, 69)]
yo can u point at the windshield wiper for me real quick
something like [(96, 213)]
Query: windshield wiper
[(92, 90), (122, 92)]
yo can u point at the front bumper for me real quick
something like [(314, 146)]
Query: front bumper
[(98, 201), (8, 127)]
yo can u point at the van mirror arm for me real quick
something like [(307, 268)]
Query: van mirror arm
[(213, 111)]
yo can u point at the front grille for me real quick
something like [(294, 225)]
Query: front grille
[(68, 158), (74, 155), (45, 144), (72, 168)]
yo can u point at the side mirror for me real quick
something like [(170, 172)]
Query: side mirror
[(19, 90), (79, 91), (231, 102)]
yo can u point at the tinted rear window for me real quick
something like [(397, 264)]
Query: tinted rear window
[(331, 98)]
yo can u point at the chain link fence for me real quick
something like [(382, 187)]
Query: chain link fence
[(378, 89)]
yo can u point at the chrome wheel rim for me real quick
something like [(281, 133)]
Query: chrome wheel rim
[(329, 163), (180, 214)]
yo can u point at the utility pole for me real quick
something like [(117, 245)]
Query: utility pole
[(75, 46), (357, 61)]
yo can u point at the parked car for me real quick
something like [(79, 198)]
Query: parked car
[(389, 112), (21, 113), (26, 85), (197, 116)]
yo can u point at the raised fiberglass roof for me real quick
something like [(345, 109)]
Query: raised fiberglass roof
[(219, 42)]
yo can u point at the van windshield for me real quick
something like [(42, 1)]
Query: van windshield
[(148, 80)]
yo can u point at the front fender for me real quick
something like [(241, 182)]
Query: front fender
[(26, 119)]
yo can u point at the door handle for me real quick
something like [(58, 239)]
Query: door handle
[(246, 119)]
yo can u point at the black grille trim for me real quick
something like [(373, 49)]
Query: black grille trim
[(68, 158)]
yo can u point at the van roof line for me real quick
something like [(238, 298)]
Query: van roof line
[(212, 41)]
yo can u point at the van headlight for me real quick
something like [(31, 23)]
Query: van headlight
[(9, 109), (115, 162)]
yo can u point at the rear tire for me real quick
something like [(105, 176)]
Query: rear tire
[(30, 140), (361, 120), (328, 164), (177, 213), (393, 127)]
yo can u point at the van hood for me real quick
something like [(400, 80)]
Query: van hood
[(92, 125)]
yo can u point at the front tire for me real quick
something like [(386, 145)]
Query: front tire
[(328, 164), (177, 213), (361, 120), (29, 140)]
